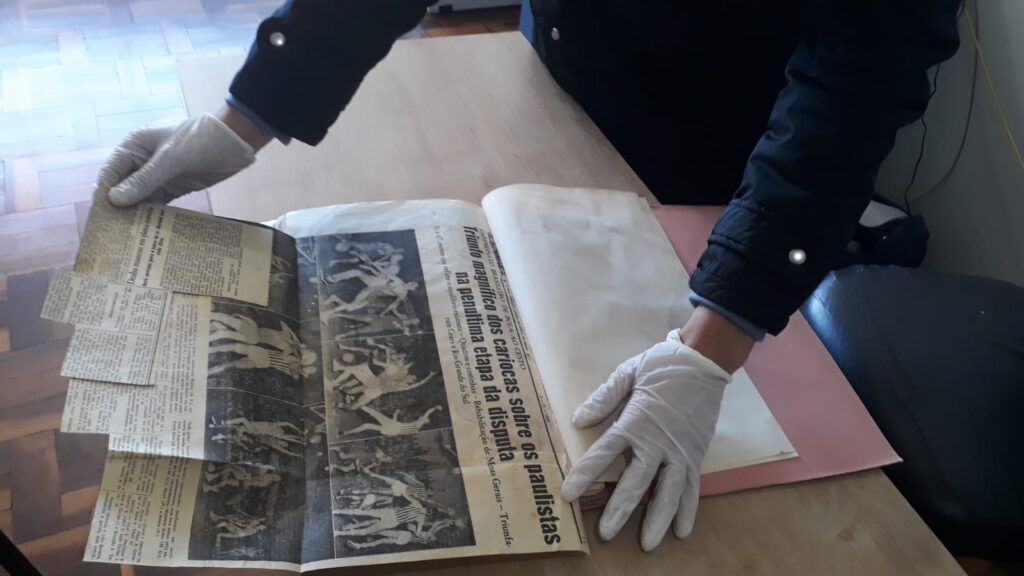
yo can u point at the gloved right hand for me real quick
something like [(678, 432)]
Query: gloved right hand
[(670, 397), (161, 164)]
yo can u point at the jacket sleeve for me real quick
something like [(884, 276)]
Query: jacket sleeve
[(857, 75), (310, 56)]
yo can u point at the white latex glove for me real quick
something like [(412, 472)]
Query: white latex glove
[(161, 164), (672, 394)]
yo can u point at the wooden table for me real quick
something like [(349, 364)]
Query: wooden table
[(457, 117)]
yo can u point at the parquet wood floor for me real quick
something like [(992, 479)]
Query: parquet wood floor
[(75, 77)]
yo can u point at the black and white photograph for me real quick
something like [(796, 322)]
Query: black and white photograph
[(308, 280), (284, 280), (398, 494), (386, 386), (371, 284), (392, 462), (257, 350), (251, 495), (242, 427), (309, 313), (247, 512), (318, 541)]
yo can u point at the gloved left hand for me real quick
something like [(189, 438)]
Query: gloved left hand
[(672, 396), (161, 164)]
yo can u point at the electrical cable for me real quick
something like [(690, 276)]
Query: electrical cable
[(924, 125), (924, 136), (995, 94), (967, 120)]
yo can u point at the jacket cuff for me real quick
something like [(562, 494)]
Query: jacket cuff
[(743, 324), (746, 288), (255, 119), (310, 56), (280, 84), (762, 264)]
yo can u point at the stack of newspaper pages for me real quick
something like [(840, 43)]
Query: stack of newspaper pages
[(355, 385)]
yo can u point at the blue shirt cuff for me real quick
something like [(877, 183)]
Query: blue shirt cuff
[(255, 119), (753, 331)]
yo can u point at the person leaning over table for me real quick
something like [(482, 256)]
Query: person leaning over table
[(795, 103)]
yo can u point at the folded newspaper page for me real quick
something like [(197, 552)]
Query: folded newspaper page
[(379, 405)]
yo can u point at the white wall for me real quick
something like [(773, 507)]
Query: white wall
[(976, 217)]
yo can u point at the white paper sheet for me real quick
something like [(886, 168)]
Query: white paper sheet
[(596, 282), (379, 217)]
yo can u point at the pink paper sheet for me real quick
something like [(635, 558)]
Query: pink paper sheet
[(812, 400)]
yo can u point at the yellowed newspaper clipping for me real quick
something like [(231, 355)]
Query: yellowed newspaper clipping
[(157, 246)]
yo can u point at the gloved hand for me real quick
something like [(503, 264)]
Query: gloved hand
[(672, 395), (161, 164)]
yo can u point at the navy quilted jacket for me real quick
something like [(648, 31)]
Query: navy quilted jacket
[(782, 109)]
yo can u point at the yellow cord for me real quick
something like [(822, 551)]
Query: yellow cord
[(992, 89)]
